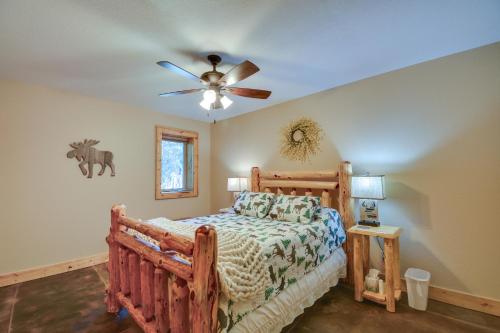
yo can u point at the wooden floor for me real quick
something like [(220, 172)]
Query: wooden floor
[(73, 302)]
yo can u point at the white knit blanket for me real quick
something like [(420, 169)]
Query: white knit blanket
[(243, 273)]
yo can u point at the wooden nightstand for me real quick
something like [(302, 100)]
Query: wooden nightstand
[(361, 238)]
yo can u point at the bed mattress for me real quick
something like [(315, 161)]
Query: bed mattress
[(274, 315)]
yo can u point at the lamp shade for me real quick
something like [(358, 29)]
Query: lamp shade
[(237, 184), (368, 187)]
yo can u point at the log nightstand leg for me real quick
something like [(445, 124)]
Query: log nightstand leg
[(366, 254), (397, 270), (389, 275), (358, 268)]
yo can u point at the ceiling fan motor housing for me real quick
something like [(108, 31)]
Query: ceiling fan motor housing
[(212, 76)]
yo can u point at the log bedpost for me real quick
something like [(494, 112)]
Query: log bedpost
[(161, 300), (147, 290), (178, 305), (124, 275), (346, 207), (205, 291), (112, 304), (255, 179), (135, 279)]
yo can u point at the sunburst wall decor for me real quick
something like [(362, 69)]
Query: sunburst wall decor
[(300, 139)]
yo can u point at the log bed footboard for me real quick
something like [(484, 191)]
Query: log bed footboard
[(175, 290)]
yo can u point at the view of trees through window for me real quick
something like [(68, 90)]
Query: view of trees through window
[(173, 165), (176, 163)]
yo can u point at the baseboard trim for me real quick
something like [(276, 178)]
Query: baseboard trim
[(48, 270), (461, 299), (453, 297)]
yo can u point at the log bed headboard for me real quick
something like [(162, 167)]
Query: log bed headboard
[(322, 183)]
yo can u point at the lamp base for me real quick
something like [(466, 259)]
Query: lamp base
[(370, 223), (368, 212)]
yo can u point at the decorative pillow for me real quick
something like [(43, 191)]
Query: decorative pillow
[(332, 219), (293, 208), (253, 204)]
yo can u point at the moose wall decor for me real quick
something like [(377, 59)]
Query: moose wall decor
[(85, 153)]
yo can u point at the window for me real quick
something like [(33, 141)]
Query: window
[(176, 163)]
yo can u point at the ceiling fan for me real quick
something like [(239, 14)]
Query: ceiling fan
[(217, 83)]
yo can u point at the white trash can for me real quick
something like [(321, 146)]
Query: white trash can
[(417, 285)]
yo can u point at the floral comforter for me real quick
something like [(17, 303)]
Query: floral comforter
[(291, 249)]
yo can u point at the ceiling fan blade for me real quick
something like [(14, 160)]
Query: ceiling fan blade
[(248, 92), (238, 73), (181, 92), (176, 69)]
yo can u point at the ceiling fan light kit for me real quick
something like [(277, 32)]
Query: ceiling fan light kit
[(205, 104), (226, 102), (209, 96), (213, 99), (217, 82)]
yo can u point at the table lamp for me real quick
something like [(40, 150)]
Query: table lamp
[(236, 185), (368, 189)]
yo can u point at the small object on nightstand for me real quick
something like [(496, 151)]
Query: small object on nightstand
[(368, 189), (369, 223), (381, 287), (391, 290), (228, 210), (364, 227), (372, 280)]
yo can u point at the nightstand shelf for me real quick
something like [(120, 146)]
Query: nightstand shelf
[(380, 298), (361, 239), (374, 297)]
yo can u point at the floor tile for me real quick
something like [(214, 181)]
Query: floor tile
[(8, 297), (74, 302), (70, 302), (338, 312)]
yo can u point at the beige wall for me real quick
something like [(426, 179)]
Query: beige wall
[(49, 211), (433, 129)]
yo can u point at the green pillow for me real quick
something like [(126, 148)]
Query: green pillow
[(253, 204), (294, 208)]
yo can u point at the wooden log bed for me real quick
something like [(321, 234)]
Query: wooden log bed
[(176, 289)]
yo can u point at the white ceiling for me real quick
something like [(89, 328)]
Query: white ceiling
[(108, 48)]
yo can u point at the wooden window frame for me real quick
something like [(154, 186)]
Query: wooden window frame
[(163, 132)]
